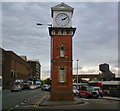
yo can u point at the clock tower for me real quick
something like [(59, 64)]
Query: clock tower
[(61, 34)]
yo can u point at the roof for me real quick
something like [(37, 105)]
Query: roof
[(61, 7), (106, 82), (33, 60), (87, 74), (110, 82)]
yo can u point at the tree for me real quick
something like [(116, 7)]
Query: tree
[(47, 81)]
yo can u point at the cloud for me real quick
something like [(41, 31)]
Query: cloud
[(60, 0), (94, 42)]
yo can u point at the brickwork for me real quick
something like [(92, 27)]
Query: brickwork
[(13, 67), (61, 90)]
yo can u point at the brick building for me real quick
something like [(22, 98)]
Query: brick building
[(36, 69), (13, 67)]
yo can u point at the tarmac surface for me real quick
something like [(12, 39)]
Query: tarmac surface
[(46, 102), (42, 101)]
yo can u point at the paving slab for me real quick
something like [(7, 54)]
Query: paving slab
[(48, 102), (112, 98)]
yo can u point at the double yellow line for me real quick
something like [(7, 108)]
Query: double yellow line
[(9, 109), (39, 101)]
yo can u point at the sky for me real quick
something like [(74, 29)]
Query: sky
[(95, 41)]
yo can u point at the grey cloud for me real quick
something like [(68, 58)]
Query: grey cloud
[(94, 42), (96, 36)]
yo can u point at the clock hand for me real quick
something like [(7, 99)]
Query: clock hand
[(64, 18)]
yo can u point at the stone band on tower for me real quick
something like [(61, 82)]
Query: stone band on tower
[(61, 34)]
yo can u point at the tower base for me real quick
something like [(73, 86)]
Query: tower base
[(61, 96)]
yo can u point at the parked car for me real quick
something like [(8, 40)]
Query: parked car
[(38, 83), (16, 88), (75, 90), (25, 86), (32, 87), (106, 92), (99, 91), (88, 92), (45, 87)]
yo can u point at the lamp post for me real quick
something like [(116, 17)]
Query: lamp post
[(40, 24), (44, 24), (77, 71)]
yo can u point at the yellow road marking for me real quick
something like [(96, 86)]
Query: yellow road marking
[(36, 104), (39, 101), (9, 109)]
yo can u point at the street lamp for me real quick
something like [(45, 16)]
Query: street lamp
[(44, 24), (77, 71)]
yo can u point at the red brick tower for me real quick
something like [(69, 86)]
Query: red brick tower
[(61, 34)]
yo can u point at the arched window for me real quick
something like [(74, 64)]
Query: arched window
[(56, 32), (61, 51), (62, 75), (62, 32)]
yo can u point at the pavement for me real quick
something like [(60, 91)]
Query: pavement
[(111, 98), (46, 102)]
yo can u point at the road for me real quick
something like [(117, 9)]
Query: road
[(12, 100), (88, 104), (31, 99)]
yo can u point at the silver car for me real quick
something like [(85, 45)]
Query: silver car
[(99, 91), (75, 90), (16, 88)]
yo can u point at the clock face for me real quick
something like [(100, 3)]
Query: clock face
[(62, 19)]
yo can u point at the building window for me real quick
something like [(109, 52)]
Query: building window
[(12, 74), (62, 75), (62, 32), (56, 32), (61, 51), (67, 32)]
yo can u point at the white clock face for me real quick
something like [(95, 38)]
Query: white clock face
[(62, 19)]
